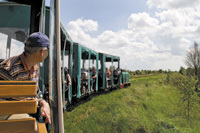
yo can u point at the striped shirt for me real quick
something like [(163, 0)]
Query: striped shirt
[(16, 68)]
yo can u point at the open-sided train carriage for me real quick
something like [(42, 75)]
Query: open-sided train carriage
[(83, 61), (104, 81)]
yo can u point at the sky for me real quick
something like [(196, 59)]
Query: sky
[(145, 34)]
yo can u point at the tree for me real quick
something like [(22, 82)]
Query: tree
[(187, 94), (182, 70), (193, 61)]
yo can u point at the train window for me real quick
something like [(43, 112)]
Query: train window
[(99, 64), (115, 65), (109, 65), (85, 64), (14, 27), (93, 63), (66, 61), (17, 47), (3, 46)]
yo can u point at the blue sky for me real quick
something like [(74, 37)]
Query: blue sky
[(146, 34), (110, 14)]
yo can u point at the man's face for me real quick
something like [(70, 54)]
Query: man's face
[(43, 54), (46, 52)]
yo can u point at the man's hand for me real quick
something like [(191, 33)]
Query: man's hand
[(45, 111)]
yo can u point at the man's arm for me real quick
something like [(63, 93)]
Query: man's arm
[(69, 79)]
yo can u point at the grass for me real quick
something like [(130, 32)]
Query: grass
[(147, 106)]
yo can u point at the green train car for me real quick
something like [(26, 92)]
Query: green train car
[(84, 60)]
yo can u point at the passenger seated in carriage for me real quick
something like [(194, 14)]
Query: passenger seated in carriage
[(108, 77), (117, 74), (108, 73), (93, 78), (25, 67), (67, 81), (84, 81)]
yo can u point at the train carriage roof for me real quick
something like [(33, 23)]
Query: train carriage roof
[(86, 51), (110, 57), (65, 35)]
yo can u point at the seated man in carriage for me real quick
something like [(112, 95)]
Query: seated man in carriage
[(25, 67), (108, 77), (67, 81), (93, 78), (117, 73)]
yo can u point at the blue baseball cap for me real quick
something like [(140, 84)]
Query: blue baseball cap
[(37, 39)]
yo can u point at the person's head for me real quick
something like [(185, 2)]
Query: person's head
[(93, 69), (37, 44)]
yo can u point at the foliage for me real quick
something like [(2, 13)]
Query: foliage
[(182, 70), (148, 72), (193, 61), (188, 96), (185, 86)]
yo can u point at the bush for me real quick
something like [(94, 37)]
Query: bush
[(186, 87)]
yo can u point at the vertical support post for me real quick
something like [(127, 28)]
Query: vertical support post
[(59, 86), (79, 55), (97, 71), (55, 93), (89, 57), (70, 70), (8, 48), (112, 72)]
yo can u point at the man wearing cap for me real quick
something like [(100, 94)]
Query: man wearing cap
[(25, 66)]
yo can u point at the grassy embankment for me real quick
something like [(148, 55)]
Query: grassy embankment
[(147, 106)]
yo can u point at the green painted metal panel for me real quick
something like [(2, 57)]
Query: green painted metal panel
[(89, 73), (70, 69), (41, 69), (125, 77), (97, 72), (77, 67), (17, 13), (102, 71)]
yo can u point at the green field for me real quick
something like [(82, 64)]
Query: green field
[(148, 106)]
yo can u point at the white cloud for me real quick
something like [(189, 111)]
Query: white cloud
[(141, 21), (85, 25), (78, 31), (156, 41), (173, 4)]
